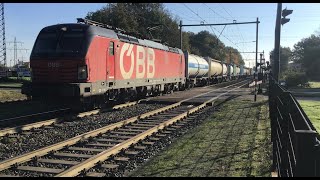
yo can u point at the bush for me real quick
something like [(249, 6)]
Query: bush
[(296, 78)]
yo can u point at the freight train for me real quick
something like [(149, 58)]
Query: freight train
[(89, 64)]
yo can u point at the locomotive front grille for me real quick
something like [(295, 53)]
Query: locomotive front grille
[(61, 74)]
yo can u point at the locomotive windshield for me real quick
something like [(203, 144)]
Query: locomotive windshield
[(62, 42)]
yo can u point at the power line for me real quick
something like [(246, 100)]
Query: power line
[(210, 26), (224, 9), (200, 18), (236, 26), (215, 12), (15, 51), (185, 15)]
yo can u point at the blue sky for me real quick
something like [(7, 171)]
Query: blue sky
[(25, 20)]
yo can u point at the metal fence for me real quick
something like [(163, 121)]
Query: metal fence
[(296, 145)]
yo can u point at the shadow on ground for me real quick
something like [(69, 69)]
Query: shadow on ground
[(234, 141)]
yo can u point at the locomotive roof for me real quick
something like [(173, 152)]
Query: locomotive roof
[(96, 30)]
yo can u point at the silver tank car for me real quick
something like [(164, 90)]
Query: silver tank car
[(237, 70), (216, 68), (247, 71), (197, 66), (242, 70), (230, 70), (225, 69)]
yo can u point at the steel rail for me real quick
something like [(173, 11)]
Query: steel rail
[(14, 101), (45, 150), (49, 122), (35, 114), (91, 162)]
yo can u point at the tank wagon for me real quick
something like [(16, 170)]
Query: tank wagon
[(236, 72), (196, 70), (217, 71), (87, 64), (244, 71), (230, 72)]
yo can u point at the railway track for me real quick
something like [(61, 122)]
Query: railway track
[(49, 122), (15, 101), (129, 137), (21, 123), (30, 117)]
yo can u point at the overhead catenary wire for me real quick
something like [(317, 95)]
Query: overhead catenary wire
[(201, 18), (216, 12), (210, 26), (237, 29)]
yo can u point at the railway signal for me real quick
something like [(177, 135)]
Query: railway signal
[(285, 13), (276, 53)]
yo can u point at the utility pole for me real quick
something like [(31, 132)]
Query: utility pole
[(3, 50), (15, 50), (219, 24), (181, 35), (276, 52), (230, 65), (256, 73), (230, 56), (279, 21), (260, 72)]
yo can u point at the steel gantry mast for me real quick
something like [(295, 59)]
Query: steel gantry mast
[(3, 53)]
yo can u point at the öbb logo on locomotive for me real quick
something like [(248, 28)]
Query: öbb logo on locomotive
[(143, 61), (53, 64)]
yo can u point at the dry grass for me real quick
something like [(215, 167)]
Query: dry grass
[(314, 84), (6, 95)]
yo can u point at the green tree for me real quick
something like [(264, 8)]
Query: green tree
[(285, 57), (311, 62), (135, 18), (307, 53), (299, 48), (207, 44), (186, 41)]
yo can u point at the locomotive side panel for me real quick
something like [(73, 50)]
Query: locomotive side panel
[(96, 59), (136, 65)]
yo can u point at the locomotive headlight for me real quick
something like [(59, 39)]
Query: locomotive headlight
[(82, 72)]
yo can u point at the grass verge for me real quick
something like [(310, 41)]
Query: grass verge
[(312, 109), (10, 84), (234, 141), (314, 84)]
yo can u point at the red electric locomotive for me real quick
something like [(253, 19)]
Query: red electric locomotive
[(88, 63)]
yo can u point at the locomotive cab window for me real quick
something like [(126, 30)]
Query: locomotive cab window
[(111, 48), (59, 43)]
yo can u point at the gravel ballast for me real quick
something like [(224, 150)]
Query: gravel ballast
[(20, 144)]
